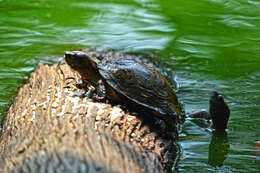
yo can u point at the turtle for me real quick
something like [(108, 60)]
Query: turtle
[(128, 81), (219, 112), (124, 80)]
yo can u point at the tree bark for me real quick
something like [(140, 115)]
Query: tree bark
[(49, 128)]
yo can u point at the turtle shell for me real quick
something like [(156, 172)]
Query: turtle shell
[(141, 84)]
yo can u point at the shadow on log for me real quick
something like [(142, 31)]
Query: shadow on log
[(47, 129)]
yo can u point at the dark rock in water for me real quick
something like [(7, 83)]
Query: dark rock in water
[(200, 114), (219, 112)]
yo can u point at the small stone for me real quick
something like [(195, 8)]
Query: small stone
[(130, 118), (115, 113), (133, 134), (98, 118)]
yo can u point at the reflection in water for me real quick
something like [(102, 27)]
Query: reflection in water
[(218, 148)]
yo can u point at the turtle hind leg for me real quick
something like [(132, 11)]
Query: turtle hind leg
[(171, 128)]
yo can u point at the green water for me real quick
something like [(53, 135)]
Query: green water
[(209, 44)]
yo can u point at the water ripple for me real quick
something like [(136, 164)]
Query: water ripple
[(113, 27)]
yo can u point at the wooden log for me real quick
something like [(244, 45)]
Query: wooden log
[(49, 128)]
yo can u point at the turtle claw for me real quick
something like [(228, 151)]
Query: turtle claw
[(89, 93), (80, 95), (93, 91)]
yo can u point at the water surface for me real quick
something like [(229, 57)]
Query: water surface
[(208, 44)]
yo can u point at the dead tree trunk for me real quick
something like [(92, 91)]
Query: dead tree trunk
[(48, 129)]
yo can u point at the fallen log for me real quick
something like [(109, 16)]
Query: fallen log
[(48, 128)]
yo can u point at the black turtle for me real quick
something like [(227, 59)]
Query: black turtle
[(127, 81), (219, 111)]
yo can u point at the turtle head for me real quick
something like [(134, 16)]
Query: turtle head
[(216, 97), (83, 63)]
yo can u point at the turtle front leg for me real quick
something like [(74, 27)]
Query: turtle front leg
[(87, 86), (95, 91), (90, 92), (100, 91)]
